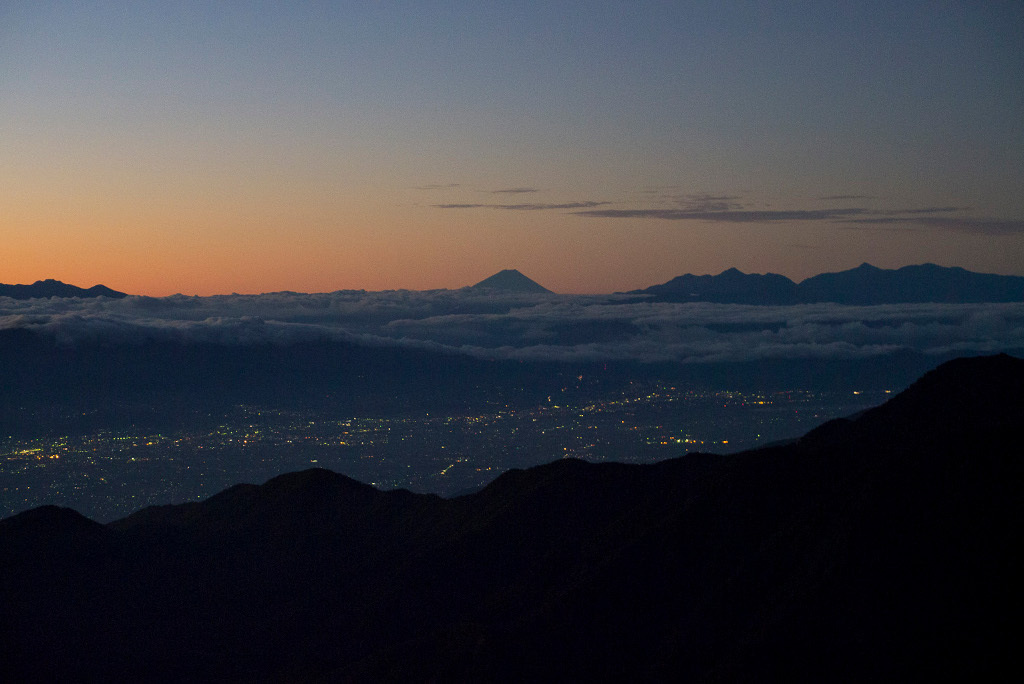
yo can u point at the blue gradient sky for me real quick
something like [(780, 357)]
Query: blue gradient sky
[(216, 147)]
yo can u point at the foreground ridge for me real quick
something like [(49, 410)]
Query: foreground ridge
[(881, 546)]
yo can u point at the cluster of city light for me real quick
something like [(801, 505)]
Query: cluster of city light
[(424, 452)]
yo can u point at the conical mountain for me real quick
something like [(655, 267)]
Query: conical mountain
[(510, 280)]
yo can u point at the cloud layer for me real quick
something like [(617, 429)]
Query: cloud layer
[(532, 327)]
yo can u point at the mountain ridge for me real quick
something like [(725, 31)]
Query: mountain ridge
[(42, 289), (863, 285), (860, 552)]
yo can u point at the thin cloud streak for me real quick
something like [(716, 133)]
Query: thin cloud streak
[(980, 226), (706, 202), (845, 197), (729, 209), (522, 207), (725, 216), (923, 210), (849, 217)]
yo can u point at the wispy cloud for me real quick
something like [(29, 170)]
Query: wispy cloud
[(524, 207), (923, 210), (726, 208), (722, 209), (730, 216), (514, 191), (708, 202), (541, 207), (692, 201), (845, 197), (981, 226), (438, 186)]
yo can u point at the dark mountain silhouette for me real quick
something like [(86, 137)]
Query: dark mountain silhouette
[(865, 284), (923, 283), (885, 546), (728, 287), (55, 288), (510, 280)]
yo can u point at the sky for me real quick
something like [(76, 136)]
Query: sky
[(250, 147)]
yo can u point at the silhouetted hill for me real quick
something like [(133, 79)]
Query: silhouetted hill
[(923, 283), (728, 287), (510, 280), (55, 288), (881, 547), (863, 285)]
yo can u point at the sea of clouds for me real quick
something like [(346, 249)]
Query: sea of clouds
[(531, 326)]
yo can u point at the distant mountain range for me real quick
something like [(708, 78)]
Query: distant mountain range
[(55, 288), (863, 285), (881, 547)]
